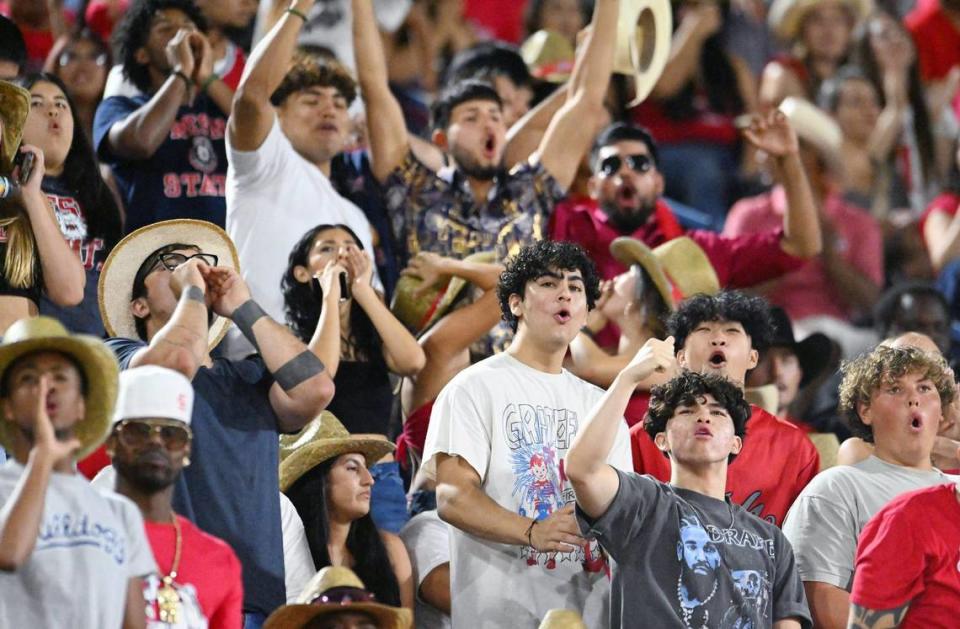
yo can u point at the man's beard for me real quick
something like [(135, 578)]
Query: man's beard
[(472, 169), (149, 482), (627, 222), (699, 587)]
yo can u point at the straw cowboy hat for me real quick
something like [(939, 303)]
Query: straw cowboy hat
[(644, 32), (813, 125), (121, 266), (14, 108), (562, 619), (99, 365), (786, 16), (419, 312), (321, 440), (337, 590), (679, 267), (549, 56)]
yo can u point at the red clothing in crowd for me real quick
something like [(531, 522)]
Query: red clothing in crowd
[(207, 565), (908, 553), (947, 203), (497, 19), (937, 42), (776, 463), (739, 262), (101, 18), (808, 291), (38, 42), (414, 434)]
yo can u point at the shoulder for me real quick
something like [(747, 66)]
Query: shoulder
[(834, 484), (395, 548), (213, 547)]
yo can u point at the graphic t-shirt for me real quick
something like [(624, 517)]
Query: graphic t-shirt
[(689, 560), (919, 533), (230, 489), (513, 424), (85, 317), (208, 578), (184, 178), (90, 544)]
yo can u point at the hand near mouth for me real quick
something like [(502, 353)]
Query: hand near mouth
[(655, 356), (46, 446)]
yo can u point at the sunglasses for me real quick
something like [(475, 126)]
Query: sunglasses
[(170, 261), (66, 58), (343, 596), (135, 433), (638, 163)]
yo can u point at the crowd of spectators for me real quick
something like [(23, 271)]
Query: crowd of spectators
[(421, 317)]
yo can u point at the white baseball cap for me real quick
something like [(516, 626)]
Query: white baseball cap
[(154, 392)]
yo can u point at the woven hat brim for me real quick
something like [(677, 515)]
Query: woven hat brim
[(629, 251), (120, 269), (101, 371), (785, 16), (308, 456), (14, 109), (296, 616), (687, 265), (456, 287)]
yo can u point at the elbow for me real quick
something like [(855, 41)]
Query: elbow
[(249, 96), (11, 561), (66, 296), (573, 467), (447, 503), (412, 363), (178, 359)]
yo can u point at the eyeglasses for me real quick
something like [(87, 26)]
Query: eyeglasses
[(343, 596), (638, 163), (70, 56), (135, 433), (171, 261)]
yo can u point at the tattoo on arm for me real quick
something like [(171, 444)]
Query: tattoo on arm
[(865, 618), (298, 369), (248, 313)]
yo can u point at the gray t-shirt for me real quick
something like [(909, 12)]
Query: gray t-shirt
[(826, 519), (688, 560), (90, 544)]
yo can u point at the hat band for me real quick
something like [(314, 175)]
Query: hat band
[(433, 308)]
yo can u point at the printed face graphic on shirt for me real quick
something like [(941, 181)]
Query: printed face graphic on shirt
[(699, 559)]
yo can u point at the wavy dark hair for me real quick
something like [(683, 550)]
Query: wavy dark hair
[(371, 560), (684, 389), (539, 259), (753, 313), (81, 173), (303, 306), (132, 32)]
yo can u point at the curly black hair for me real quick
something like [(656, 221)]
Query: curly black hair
[(539, 259), (753, 313), (314, 71), (458, 93), (132, 32), (686, 388), (303, 306)]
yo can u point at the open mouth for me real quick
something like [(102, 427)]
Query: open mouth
[(717, 359), (562, 316), (489, 146), (626, 195), (916, 423)]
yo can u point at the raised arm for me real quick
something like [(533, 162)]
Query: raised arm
[(773, 134), (385, 125), (699, 22), (253, 114), (573, 128), (302, 387), (595, 481), (205, 79)]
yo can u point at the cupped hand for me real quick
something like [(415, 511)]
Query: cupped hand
[(558, 532), (46, 446)]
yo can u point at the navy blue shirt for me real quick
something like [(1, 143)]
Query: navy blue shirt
[(231, 488), (184, 178)]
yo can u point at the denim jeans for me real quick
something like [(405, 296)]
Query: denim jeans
[(388, 502), (253, 620)]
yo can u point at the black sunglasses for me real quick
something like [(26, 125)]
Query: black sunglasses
[(639, 163), (171, 261), (343, 595)]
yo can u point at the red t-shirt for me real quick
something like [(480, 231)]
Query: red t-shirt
[(937, 42), (946, 203), (776, 463), (910, 552), (209, 572), (101, 19), (497, 19)]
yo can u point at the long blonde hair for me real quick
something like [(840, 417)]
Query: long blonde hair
[(20, 258)]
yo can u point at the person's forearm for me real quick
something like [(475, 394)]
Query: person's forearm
[(63, 275), (403, 354), (591, 72), (269, 60), (480, 274), (684, 60), (474, 512), (591, 447), (221, 94), (325, 342), (886, 133), (856, 289), (525, 135), (22, 513), (181, 344), (372, 74), (139, 135), (801, 223)]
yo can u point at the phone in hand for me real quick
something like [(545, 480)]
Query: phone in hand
[(25, 162), (317, 291)]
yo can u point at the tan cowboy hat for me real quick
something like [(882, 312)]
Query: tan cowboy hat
[(644, 31), (786, 16), (562, 619), (679, 267), (121, 266), (420, 312), (99, 365), (336, 590), (14, 108), (321, 440), (549, 56), (813, 125), (766, 397)]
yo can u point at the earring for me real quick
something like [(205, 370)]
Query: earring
[(186, 461)]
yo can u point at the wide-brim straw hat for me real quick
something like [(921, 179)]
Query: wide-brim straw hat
[(813, 125), (321, 440), (99, 365), (644, 33), (549, 56), (121, 266), (14, 109), (419, 312), (679, 267), (296, 615), (786, 16), (766, 397)]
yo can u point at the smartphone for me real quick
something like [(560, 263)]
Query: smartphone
[(344, 288), (25, 162)]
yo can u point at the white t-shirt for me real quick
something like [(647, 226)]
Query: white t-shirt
[(274, 196), (90, 544), (514, 424), (297, 560), (427, 539)]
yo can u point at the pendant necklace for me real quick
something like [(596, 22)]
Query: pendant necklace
[(168, 598)]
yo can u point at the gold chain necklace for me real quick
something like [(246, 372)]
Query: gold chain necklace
[(168, 599)]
